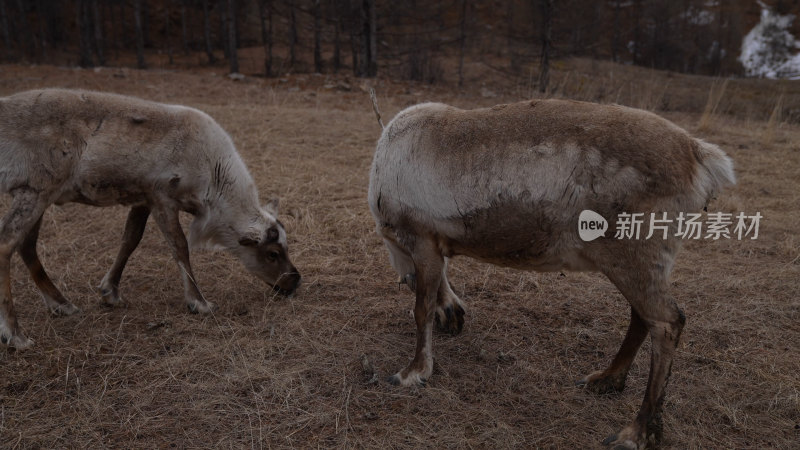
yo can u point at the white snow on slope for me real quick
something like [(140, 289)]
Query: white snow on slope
[(769, 50)]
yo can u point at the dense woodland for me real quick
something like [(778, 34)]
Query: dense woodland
[(409, 39)]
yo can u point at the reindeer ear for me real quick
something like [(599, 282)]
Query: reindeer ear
[(272, 234), (251, 238), (248, 242), (272, 206)]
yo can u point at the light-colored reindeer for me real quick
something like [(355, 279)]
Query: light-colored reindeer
[(59, 146), (507, 184)]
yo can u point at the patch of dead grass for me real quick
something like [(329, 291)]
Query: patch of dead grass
[(266, 371)]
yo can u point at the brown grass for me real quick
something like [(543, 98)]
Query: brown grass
[(769, 131), (267, 371), (715, 95)]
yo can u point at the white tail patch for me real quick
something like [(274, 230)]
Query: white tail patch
[(715, 171)]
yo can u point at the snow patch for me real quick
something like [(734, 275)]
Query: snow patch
[(769, 50)]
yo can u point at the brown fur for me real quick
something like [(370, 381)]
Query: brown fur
[(506, 185), (59, 146)]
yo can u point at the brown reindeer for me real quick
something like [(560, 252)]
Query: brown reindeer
[(507, 184), (59, 146)]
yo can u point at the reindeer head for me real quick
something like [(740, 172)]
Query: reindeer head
[(263, 251)]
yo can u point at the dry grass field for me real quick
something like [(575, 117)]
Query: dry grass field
[(308, 371)]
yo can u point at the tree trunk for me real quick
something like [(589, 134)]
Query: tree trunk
[(615, 37), (369, 66), (265, 13), (223, 30), (511, 38), (98, 34), (716, 54), (184, 30), (292, 34), (440, 14), (207, 33), (84, 35), (233, 54), (317, 36), (137, 19), (594, 30), (42, 15), (372, 67), (54, 12), (337, 49), (4, 24), (109, 11), (145, 16), (364, 59), (14, 33), (654, 41), (462, 37), (637, 12), (355, 51), (544, 70), (26, 28), (122, 35), (167, 37)]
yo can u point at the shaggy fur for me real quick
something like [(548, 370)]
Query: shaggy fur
[(59, 146), (506, 185)]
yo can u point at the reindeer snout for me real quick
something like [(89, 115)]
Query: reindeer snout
[(289, 283), (296, 279)]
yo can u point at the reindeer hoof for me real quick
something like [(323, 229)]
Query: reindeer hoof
[(18, 342), (450, 319), (110, 296), (64, 309), (197, 307), (413, 379), (630, 438), (602, 384), (610, 439), (617, 445)]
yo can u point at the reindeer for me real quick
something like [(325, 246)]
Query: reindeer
[(506, 185), (59, 146)]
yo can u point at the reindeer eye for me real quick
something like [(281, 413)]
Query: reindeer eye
[(273, 255)]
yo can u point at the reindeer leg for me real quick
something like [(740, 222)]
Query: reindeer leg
[(399, 258), (134, 230), (167, 220), (613, 378), (27, 207), (428, 265), (647, 428), (449, 309), (53, 298), (646, 290)]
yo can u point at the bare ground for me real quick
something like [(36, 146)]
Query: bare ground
[(267, 371)]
